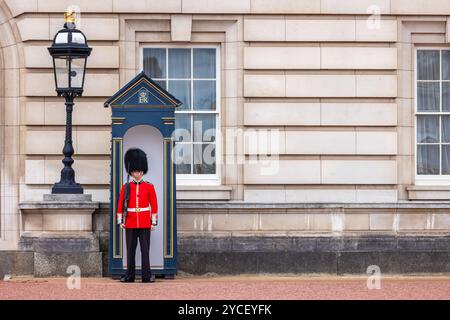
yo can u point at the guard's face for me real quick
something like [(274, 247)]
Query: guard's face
[(137, 175)]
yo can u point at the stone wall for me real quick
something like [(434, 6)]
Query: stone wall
[(338, 91), (233, 238)]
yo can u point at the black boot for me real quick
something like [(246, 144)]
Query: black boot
[(151, 279), (125, 278)]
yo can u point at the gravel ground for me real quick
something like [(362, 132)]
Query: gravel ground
[(271, 287)]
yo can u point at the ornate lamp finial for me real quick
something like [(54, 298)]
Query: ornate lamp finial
[(70, 18)]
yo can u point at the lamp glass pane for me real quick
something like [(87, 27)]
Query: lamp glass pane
[(61, 72), (62, 37), (77, 72), (77, 37)]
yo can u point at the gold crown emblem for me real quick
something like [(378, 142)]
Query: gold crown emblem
[(143, 97), (70, 16)]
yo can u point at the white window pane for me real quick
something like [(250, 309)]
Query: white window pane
[(155, 62), (205, 158), (445, 159), (446, 96), (179, 63), (182, 130), (428, 159), (427, 129), (428, 65), (181, 89), (445, 64), (428, 94), (204, 63), (445, 120), (182, 158), (204, 127), (161, 83), (204, 95)]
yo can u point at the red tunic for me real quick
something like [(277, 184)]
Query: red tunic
[(142, 196)]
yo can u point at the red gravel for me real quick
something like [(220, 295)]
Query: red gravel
[(231, 287)]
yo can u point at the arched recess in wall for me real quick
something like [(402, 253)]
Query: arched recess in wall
[(2, 134), (9, 129)]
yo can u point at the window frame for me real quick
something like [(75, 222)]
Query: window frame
[(197, 179), (421, 179)]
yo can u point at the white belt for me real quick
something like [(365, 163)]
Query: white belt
[(138, 209)]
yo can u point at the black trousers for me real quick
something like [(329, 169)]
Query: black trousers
[(132, 235)]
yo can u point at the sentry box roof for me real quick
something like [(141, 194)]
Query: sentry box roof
[(142, 91)]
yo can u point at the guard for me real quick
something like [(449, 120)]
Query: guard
[(137, 213)]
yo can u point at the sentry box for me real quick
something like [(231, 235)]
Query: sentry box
[(143, 116)]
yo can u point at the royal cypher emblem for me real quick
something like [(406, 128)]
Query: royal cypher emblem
[(143, 97)]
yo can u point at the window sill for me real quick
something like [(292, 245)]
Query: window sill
[(431, 192), (186, 192)]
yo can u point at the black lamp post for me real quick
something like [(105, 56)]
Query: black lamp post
[(69, 51)]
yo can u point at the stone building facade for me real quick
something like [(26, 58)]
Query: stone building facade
[(338, 86)]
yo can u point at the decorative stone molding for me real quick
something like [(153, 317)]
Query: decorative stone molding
[(55, 214), (10, 158), (180, 27), (414, 32), (203, 192), (428, 192), (137, 30), (237, 217)]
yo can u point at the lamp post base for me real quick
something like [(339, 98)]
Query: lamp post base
[(60, 188)]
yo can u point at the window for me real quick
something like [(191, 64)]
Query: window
[(191, 74), (433, 114)]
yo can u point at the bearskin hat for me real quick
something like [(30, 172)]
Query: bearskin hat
[(136, 160)]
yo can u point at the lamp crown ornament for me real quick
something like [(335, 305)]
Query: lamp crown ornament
[(70, 19)]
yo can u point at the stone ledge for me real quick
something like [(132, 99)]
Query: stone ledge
[(428, 192), (236, 204), (322, 205), (208, 192), (68, 197), (57, 215), (30, 205)]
